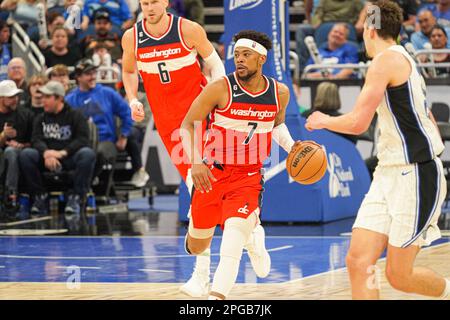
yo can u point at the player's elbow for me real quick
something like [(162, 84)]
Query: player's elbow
[(358, 126)]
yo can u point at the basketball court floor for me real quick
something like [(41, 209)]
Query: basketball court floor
[(308, 262)]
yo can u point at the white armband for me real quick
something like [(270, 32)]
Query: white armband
[(282, 136), (215, 64)]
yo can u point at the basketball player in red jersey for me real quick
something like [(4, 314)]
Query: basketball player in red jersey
[(164, 49), (247, 110)]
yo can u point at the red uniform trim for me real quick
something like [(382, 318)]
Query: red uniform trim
[(277, 96), (230, 95), (180, 32), (252, 94)]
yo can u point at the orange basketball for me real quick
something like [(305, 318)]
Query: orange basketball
[(308, 163)]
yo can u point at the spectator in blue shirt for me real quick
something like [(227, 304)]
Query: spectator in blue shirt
[(118, 9), (337, 51), (441, 11), (426, 22), (5, 50), (102, 104)]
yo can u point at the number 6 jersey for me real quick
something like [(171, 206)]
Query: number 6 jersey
[(170, 72), (241, 133)]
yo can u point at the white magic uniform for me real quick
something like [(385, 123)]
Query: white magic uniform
[(409, 186)]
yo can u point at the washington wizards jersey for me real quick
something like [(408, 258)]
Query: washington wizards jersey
[(241, 133), (170, 72), (407, 134)]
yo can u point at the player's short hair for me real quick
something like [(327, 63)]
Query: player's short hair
[(391, 19), (259, 37)]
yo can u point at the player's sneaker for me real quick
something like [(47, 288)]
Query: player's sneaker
[(198, 284), (259, 257)]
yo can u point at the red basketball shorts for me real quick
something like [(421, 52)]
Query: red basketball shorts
[(236, 193)]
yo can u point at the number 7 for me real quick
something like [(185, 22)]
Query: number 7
[(251, 133)]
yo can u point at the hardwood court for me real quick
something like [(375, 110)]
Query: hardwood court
[(328, 285)]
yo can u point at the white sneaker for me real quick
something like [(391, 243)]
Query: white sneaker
[(198, 285), (140, 178), (259, 257)]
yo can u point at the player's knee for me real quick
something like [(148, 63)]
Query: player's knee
[(357, 263), (398, 279), (195, 246)]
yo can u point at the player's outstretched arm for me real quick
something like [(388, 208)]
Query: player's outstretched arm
[(195, 36), (130, 75), (212, 96), (280, 133), (358, 120)]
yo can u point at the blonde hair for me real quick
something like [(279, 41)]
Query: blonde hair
[(327, 97), (38, 78)]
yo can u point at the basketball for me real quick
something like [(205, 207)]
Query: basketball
[(308, 163)]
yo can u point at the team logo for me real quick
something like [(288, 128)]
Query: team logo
[(340, 178), (244, 4), (243, 210)]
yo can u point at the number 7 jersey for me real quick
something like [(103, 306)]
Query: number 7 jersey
[(241, 133), (170, 72)]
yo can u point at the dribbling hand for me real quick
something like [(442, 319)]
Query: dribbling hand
[(296, 145), (202, 177), (137, 110)]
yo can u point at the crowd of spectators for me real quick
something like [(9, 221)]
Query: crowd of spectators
[(426, 26)]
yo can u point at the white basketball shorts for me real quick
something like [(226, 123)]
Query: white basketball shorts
[(404, 202)]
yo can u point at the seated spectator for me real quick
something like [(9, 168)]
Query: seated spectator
[(53, 20), (15, 125), (118, 10), (337, 51), (60, 73), (5, 49), (426, 22), (17, 72), (328, 101), (439, 40), (36, 105), (326, 14), (59, 52), (102, 58), (102, 104), (103, 33), (60, 141), (441, 11)]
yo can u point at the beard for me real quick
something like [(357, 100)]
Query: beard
[(157, 20), (247, 77)]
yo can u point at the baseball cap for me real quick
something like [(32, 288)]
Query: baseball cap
[(8, 88), (102, 14), (53, 88), (83, 66)]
